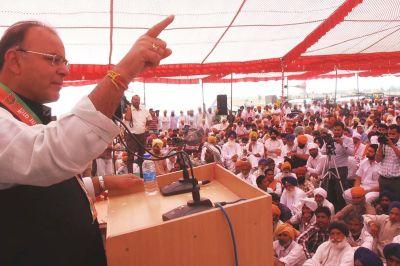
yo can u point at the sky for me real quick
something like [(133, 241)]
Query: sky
[(184, 97)]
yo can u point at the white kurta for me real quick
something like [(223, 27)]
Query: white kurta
[(293, 255), (229, 150), (328, 256)]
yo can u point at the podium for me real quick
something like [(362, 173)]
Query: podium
[(136, 234)]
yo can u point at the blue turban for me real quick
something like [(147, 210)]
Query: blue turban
[(290, 179), (394, 204), (367, 257), (392, 250)]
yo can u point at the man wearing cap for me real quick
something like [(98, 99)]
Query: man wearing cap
[(358, 205), (320, 195), (231, 151), (337, 251), (287, 251), (366, 257), (384, 227), (367, 176), (262, 166), (354, 161), (291, 194), (289, 146), (255, 149)]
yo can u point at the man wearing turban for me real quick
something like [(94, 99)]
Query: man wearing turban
[(287, 251), (335, 251), (255, 149), (320, 195), (273, 146), (231, 151), (291, 194), (358, 205), (244, 167), (161, 165), (300, 154), (304, 215)]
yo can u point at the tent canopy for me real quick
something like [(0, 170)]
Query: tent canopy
[(254, 39)]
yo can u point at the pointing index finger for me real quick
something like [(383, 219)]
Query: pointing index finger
[(159, 27)]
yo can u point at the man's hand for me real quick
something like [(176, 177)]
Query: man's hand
[(374, 229), (123, 184), (147, 52), (339, 141), (234, 158)]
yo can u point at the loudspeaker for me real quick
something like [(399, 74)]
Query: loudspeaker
[(222, 105)]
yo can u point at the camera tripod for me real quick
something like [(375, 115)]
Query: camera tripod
[(328, 175)]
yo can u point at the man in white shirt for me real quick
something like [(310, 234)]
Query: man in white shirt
[(287, 251), (231, 151), (48, 217), (255, 149), (315, 162), (273, 146), (367, 176), (358, 234), (164, 121), (336, 251), (136, 118)]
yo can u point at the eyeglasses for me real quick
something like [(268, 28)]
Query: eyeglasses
[(56, 60)]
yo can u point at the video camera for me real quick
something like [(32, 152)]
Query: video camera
[(382, 138), (329, 144)]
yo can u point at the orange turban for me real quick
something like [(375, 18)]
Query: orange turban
[(301, 170), (212, 140), (253, 134), (286, 228), (286, 165), (157, 142), (357, 192), (275, 210), (302, 139), (242, 165)]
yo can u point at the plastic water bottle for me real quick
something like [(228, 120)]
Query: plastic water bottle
[(149, 176)]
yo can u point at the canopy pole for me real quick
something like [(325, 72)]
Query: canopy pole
[(287, 89), (231, 89), (336, 77), (283, 82), (358, 89), (144, 92), (202, 94)]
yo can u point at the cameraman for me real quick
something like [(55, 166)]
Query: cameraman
[(343, 148), (389, 155)]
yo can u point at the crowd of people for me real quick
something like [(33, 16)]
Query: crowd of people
[(333, 170)]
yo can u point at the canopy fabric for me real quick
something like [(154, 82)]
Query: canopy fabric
[(256, 40)]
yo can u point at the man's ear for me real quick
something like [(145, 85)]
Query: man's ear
[(12, 61)]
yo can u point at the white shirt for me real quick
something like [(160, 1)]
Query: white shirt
[(292, 199), (328, 256), (272, 145), (250, 179), (364, 240), (139, 119), (164, 122), (369, 173), (316, 165), (293, 255), (258, 147), (43, 155)]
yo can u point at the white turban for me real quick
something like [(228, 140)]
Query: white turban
[(310, 203), (312, 145), (320, 191)]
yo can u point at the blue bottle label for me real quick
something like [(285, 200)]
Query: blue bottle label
[(149, 176)]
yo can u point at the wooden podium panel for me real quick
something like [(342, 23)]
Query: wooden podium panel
[(136, 234)]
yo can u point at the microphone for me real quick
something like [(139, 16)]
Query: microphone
[(198, 204), (181, 186)]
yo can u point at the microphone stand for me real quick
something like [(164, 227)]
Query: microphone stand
[(197, 204), (181, 186)]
